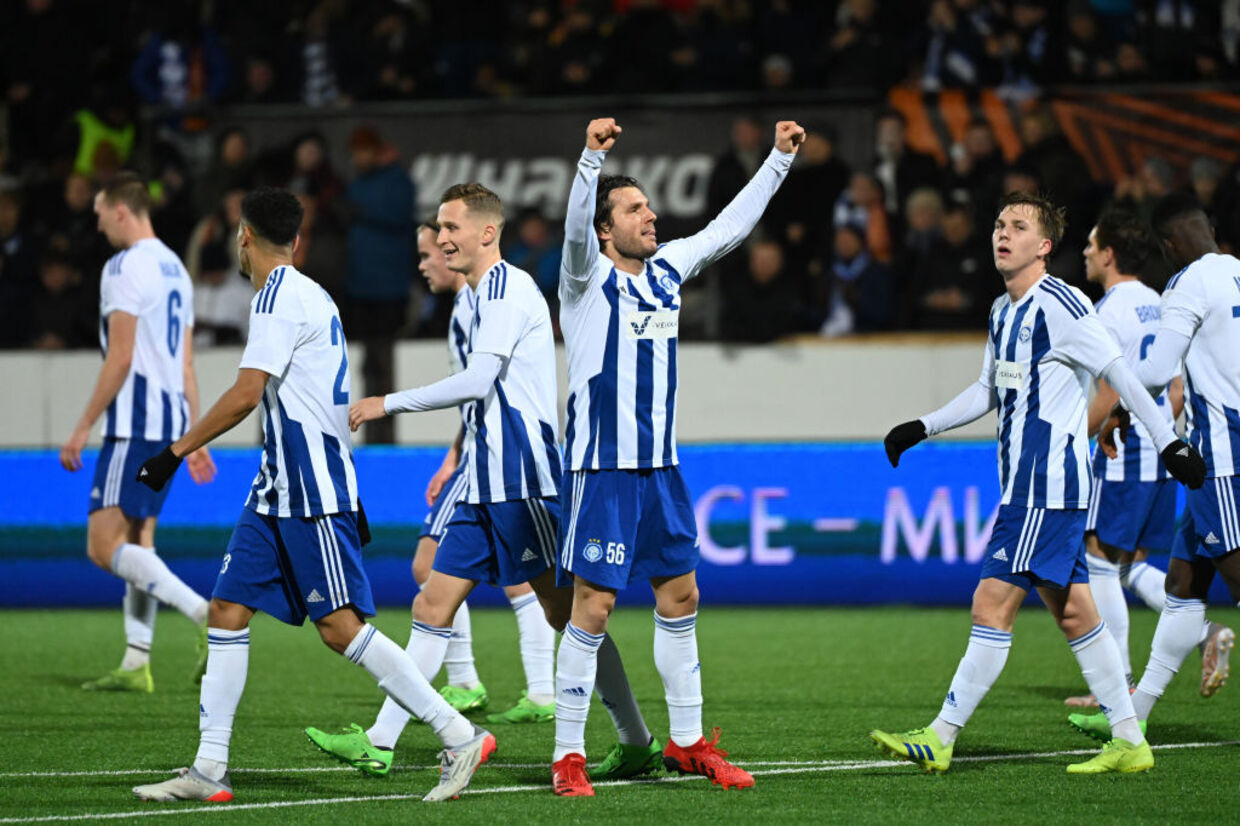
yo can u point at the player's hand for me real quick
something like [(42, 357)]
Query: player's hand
[(157, 470), (201, 466), (1119, 420), (367, 410), (601, 133), (901, 438), (435, 486), (789, 136), (71, 450), (1185, 464)]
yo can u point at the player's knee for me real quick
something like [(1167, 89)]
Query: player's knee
[(100, 552), (431, 610), (680, 604)]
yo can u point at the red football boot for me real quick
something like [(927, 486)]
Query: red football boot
[(707, 759), (569, 778)]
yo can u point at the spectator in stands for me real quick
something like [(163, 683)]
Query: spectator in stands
[(859, 52), (392, 51), (1131, 65), (975, 174), (62, 315), (172, 203), (182, 63), (1088, 52), (954, 52), (862, 294), (18, 256), (1139, 192), (1027, 50), (863, 207), (379, 204), (1060, 169), (738, 163), (217, 230), (322, 252), (312, 175), (1018, 177), (1181, 38), (318, 59), (952, 289), (103, 129), (259, 81), (765, 305), (1205, 175), (73, 230), (647, 50), (536, 249), (573, 61), (231, 168), (721, 41), (221, 298), (923, 235), (802, 213), (898, 166)]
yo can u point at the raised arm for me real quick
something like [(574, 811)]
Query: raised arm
[(734, 223), (581, 248)]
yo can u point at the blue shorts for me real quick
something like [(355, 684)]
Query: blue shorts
[(1037, 547), (1131, 515), (440, 514), (295, 567), (625, 525), (501, 543), (1209, 527), (116, 482)]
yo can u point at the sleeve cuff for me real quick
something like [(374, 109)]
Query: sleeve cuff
[(593, 157)]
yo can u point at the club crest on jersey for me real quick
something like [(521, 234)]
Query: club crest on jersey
[(593, 552), (1026, 333), (668, 283)]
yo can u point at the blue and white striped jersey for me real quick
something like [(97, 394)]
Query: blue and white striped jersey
[(1202, 302), (1130, 313), (149, 281), (621, 329), (297, 339), (511, 450), (1042, 354), (459, 326)]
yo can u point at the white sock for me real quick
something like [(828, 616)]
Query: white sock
[(612, 686), (1108, 594), (228, 660), (676, 658), (139, 609), (980, 666), (1205, 634), (144, 570), (575, 670), (537, 640), (459, 657), (400, 679), (1098, 657), (426, 649), (1146, 581), (1178, 630)]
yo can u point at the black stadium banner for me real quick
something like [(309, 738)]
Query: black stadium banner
[(527, 151)]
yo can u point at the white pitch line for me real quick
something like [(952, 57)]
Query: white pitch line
[(542, 787), (330, 769)]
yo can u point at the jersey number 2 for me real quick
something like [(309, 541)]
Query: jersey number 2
[(339, 394), (174, 322)]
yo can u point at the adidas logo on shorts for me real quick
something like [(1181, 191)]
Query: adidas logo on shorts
[(314, 596), (528, 556), (1211, 539), (95, 493), (1001, 555)]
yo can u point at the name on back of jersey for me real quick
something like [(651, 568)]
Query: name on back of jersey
[(1010, 375), (653, 324)]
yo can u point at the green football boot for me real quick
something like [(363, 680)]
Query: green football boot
[(1117, 756), (200, 665), (525, 711), (465, 700), (629, 761), (1095, 725), (920, 746), (121, 679), (353, 747)]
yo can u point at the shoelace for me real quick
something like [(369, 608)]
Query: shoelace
[(712, 745)]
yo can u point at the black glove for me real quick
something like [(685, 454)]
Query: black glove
[(1185, 464), (157, 470), (901, 438), (363, 525)]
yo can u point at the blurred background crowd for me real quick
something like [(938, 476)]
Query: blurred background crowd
[(897, 240)]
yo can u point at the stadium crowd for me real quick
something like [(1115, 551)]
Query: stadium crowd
[(897, 243)]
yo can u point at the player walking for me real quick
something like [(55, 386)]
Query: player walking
[(1199, 326), (296, 550), (1044, 341), (149, 392), (630, 514), (1132, 499)]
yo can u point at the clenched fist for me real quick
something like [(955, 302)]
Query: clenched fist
[(789, 136), (601, 133)]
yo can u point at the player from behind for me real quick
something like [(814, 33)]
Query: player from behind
[(149, 393), (630, 514), (504, 532), (296, 550), (1199, 327), (1044, 341), (1132, 499)]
